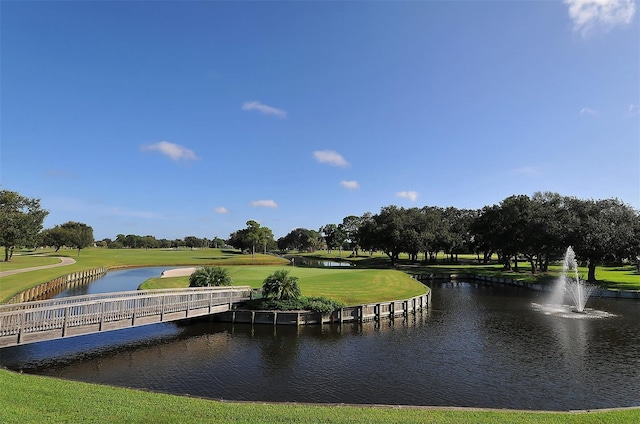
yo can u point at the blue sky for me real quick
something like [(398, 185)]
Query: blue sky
[(190, 118)]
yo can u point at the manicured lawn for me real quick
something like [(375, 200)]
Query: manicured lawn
[(350, 286), (26, 261), (119, 258), (614, 277), (34, 399)]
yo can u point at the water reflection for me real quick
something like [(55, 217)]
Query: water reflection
[(121, 280), (317, 263)]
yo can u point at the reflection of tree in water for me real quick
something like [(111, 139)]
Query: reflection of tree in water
[(278, 345)]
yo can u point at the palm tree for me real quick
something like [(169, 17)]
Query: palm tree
[(210, 276), (281, 286)]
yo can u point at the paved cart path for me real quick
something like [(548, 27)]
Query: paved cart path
[(64, 261)]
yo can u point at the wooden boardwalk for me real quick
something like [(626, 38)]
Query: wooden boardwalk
[(29, 322)]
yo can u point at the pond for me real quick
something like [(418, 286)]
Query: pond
[(478, 346), (317, 263), (114, 281)]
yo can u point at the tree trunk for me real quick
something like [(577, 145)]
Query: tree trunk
[(6, 254), (592, 271)]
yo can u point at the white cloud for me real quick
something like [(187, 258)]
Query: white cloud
[(264, 204), (265, 109), (634, 109), (585, 111), (61, 173), (221, 209), (350, 185), (171, 150), (411, 195), (527, 170), (590, 15), (330, 157), (118, 211)]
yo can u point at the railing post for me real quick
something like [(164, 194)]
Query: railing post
[(64, 322), (21, 319), (101, 315), (164, 296)]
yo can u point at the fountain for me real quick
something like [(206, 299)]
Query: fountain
[(570, 289), (569, 283)]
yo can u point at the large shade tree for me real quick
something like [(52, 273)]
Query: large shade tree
[(21, 220), (251, 236), (301, 239), (601, 230), (78, 235)]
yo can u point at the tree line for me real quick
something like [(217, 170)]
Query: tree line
[(535, 229)]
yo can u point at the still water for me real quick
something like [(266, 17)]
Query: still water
[(478, 346), (114, 281)]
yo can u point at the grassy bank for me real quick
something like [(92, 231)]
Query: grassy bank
[(349, 286), (621, 277), (35, 399), (117, 258)]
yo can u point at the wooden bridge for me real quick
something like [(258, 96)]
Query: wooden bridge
[(29, 322)]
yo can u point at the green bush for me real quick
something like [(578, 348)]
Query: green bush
[(281, 286), (316, 304), (210, 276)]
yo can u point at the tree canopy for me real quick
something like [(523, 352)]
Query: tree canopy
[(21, 220)]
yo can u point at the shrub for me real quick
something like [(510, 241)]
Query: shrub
[(281, 286), (316, 304), (210, 276)]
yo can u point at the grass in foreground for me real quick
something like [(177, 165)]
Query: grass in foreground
[(35, 399), (349, 286)]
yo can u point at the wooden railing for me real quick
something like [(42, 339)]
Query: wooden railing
[(28, 322)]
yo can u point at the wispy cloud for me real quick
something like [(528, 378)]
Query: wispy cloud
[(60, 173), (264, 204), (330, 157), (221, 209), (118, 211), (634, 110), (586, 111), (350, 185), (171, 150), (527, 170), (411, 195), (98, 207), (264, 109), (590, 15)]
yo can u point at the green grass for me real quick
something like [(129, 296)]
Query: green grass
[(349, 286), (120, 258), (26, 261), (35, 399), (614, 277)]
